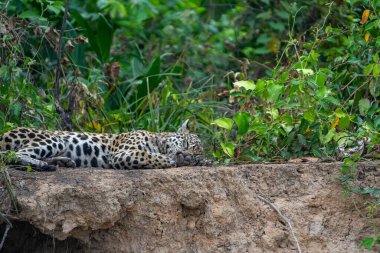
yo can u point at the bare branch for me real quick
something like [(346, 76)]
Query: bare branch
[(284, 219)]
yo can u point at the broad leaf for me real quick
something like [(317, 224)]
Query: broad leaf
[(376, 70), (228, 148), (248, 85), (321, 79), (274, 92), (328, 137), (364, 105), (310, 115), (242, 121), (99, 33), (224, 123)]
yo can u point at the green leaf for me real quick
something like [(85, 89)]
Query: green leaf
[(284, 76), (242, 121), (259, 128), (310, 115), (248, 85), (264, 15), (345, 178), (322, 91), (368, 243), (371, 191), (287, 128), (274, 92), (151, 79), (368, 69), (104, 36), (375, 57), (260, 87), (346, 169), (328, 137), (364, 105), (376, 121), (279, 26), (344, 122), (99, 33), (16, 108), (261, 50), (321, 79), (55, 8), (374, 87), (301, 139), (228, 148), (376, 70), (33, 14), (306, 72), (338, 112), (225, 123)]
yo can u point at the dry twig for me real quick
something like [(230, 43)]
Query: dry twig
[(283, 218)]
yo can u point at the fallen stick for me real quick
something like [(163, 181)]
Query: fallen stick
[(284, 218)]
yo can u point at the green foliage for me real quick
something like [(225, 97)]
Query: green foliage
[(306, 106)]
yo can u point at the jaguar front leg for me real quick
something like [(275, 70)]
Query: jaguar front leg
[(41, 155), (60, 161), (141, 160)]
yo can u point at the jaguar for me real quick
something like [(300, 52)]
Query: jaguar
[(140, 149)]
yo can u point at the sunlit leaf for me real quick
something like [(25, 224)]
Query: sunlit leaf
[(306, 72), (321, 79), (224, 123), (344, 122), (328, 137), (368, 69), (376, 70), (310, 115), (338, 112), (248, 84), (228, 148)]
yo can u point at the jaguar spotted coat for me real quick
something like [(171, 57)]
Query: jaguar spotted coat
[(44, 150)]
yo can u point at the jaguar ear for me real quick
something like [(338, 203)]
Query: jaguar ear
[(184, 129)]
